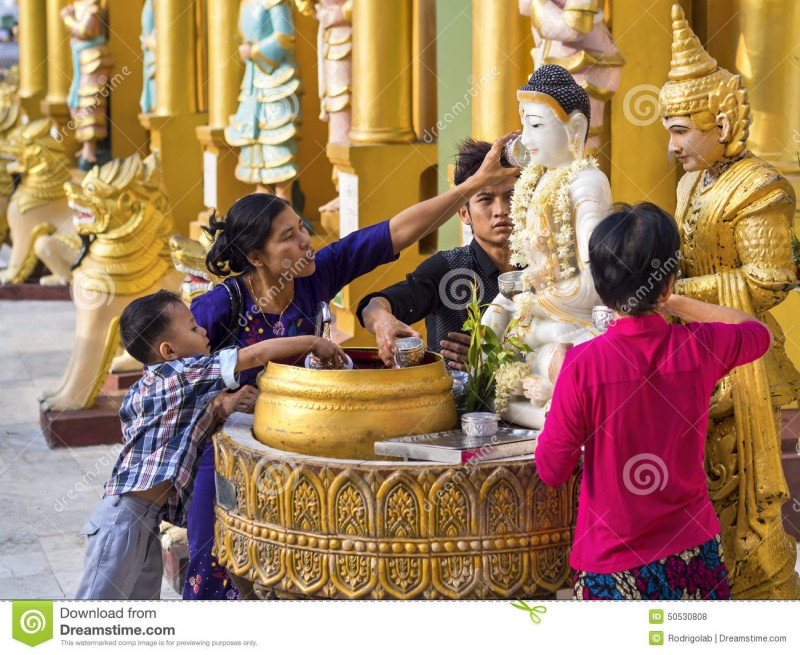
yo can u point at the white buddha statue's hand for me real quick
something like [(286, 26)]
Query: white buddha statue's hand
[(499, 314), (537, 389)]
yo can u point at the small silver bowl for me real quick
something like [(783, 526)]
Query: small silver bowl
[(409, 351), (314, 362), (602, 317), (479, 424), (511, 283)]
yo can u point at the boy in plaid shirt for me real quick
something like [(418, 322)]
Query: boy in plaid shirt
[(166, 416)]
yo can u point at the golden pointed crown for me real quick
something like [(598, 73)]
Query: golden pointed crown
[(693, 74)]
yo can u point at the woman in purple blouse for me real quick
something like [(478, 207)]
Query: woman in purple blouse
[(277, 284)]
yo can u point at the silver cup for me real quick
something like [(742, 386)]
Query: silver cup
[(409, 351), (515, 154), (602, 317), (479, 424), (510, 283)]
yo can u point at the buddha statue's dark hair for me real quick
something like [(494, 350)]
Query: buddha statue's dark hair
[(557, 83)]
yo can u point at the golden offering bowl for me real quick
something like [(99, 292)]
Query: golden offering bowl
[(341, 414)]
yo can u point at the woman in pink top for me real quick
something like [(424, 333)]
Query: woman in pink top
[(635, 401)]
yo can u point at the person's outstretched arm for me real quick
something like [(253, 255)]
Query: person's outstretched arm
[(414, 223), (690, 310), (265, 351)]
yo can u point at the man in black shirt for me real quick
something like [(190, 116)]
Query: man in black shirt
[(440, 289)]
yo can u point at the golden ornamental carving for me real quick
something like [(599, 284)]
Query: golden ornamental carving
[(333, 529)]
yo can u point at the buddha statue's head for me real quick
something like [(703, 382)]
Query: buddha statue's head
[(704, 107), (555, 116)]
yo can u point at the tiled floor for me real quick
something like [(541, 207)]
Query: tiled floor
[(48, 494)]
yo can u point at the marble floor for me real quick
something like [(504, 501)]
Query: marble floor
[(48, 494)]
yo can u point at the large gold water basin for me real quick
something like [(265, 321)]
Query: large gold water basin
[(342, 414)]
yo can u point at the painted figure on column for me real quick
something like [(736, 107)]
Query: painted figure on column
[(334, 61), (558, 200), (734, 213), (266, 126), (91, 65), (573, 34), (147, 102)]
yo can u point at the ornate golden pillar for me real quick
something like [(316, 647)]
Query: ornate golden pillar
[(382, 72), (126, 134), (501, 63), (640, 167), (767, 55), (172, 126), (383, 170), (59, 64), (423, 70), (32, 56), (220, 186)]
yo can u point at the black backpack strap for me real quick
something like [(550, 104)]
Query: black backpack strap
[(237, 305)]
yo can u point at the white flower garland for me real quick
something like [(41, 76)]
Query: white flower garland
[(506, 379), (554, 194)]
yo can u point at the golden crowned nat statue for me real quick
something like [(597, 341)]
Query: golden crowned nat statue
[(734, 213), (559, 199)]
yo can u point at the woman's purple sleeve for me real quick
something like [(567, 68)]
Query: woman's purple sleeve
[(212, 311), (353, 256)]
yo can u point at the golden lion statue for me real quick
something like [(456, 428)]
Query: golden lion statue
[(9, 117), (124, 207), (189, 257), (39, 218)]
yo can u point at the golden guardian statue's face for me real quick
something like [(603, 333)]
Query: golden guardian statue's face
[(694, 148)]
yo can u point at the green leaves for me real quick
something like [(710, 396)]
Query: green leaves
[(487, 353)]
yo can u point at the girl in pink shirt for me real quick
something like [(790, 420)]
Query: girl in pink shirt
[(634, 402)]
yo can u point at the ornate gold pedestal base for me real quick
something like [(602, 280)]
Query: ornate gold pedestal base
[(302, 526)]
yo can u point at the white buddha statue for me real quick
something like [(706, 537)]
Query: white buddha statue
[(559, 199)]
